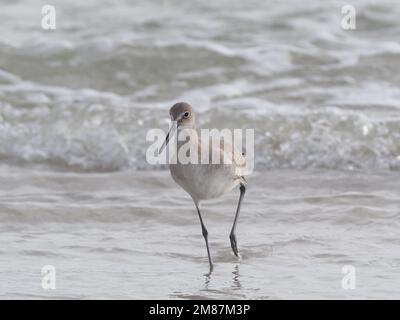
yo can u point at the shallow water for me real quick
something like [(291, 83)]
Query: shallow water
[(108, 236), (77, 193)]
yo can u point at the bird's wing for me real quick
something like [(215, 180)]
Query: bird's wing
[(238, 158), (228, 154)]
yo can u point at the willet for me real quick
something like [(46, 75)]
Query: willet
[(206, 181)]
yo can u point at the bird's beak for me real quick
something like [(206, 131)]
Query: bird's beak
[(169, 135)]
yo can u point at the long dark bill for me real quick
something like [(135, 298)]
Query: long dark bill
[(169, 134)]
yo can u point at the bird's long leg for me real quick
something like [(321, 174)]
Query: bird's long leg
[(232, 235), (205, 235)]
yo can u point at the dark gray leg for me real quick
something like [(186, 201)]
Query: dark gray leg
[(205, 235), (232, 235)]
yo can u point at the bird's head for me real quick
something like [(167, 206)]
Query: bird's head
[(183, 114)]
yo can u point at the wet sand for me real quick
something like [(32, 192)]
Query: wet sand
[(135, 235)]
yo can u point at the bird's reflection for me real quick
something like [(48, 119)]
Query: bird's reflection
[(236, 285), (207, 279)]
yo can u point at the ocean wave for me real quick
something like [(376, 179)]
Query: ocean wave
[(83, 97), (97, 137)]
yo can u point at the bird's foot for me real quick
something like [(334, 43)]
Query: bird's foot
[(211, 268)]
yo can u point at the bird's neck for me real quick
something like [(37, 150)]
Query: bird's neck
[(187, 134), (188, 127)]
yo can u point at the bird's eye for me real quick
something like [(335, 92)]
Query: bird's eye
[(186, 114)]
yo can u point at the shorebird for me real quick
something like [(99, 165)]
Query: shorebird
[(206, 181)]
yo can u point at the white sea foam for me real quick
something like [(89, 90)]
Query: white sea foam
[(83, 97)]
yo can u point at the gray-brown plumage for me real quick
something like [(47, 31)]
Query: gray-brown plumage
[(206, 181)]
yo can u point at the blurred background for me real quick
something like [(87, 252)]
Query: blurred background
[(82, 97)]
